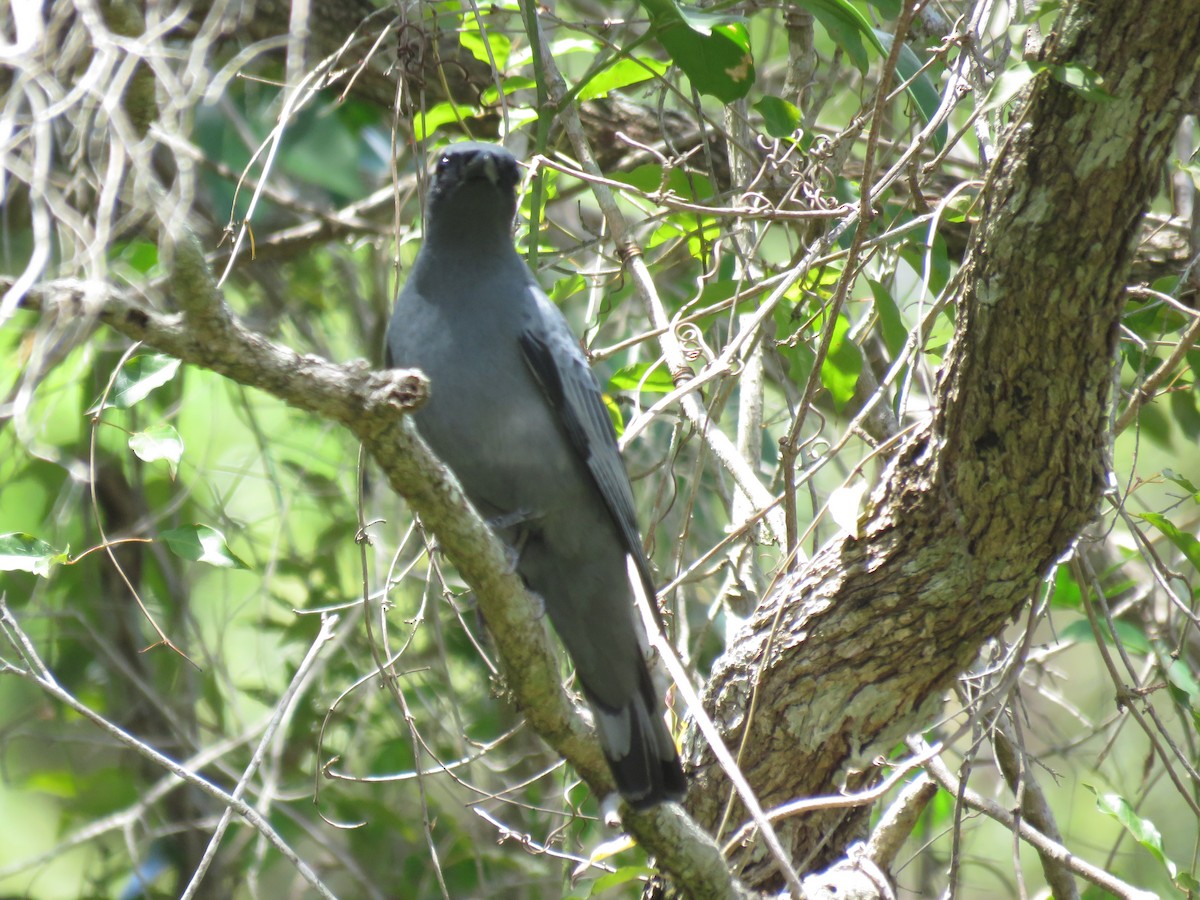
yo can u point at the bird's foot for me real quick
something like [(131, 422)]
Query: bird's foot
[(509, 528), (508, 520)]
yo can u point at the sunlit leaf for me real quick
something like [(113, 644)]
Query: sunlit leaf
[(1087, 82), (426, 123), (623, 875), (1066, 593), (21, 552), (614, 412), (712, 49), (142, 256), (202, 543), (621, 74), (498, 43), (1186, 543), (780, 118), (845, 505), (566, 287), (158, 442), (1007, 85), (610, 848), (642, 377), (1141, 830), (1185, 483), (137, 379), (920, 87), (510, 84), (54, 782), (1132, 638), (891, 325), (842, 365)]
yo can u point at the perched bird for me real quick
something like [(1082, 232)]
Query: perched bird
[(517, 415)]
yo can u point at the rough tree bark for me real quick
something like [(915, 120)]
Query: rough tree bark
[(844, 655), (971, 512)]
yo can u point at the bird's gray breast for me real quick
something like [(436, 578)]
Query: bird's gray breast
[(486, 416)]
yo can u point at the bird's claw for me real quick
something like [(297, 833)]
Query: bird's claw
[(507, 520), (507, 526)]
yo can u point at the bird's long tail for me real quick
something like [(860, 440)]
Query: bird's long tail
[(640, 749)]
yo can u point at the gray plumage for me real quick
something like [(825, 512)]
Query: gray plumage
[(517, 415)]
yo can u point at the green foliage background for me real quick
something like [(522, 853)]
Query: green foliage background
[(424, 783)]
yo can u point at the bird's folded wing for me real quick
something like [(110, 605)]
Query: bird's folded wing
[(562, 371)]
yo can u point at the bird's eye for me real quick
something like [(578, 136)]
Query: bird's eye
[(443, 163)]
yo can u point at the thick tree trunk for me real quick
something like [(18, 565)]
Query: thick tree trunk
[(844, 657)]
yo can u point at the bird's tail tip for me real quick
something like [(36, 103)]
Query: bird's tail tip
[(643, 759)]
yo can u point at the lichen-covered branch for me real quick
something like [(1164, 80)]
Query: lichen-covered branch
[(971, 512)]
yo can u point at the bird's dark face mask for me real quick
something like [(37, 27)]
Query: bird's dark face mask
[(479, 170), (475, 189)]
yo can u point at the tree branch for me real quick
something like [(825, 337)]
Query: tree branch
[(853, 648), (372, 405), (1046, 848)]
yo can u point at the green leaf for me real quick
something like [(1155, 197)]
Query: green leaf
[(61, 783), (642, 378), (1186, 881), (1185, 483), (141, 256), (1141, 830), (621, 74), (510, 84), (1066, 591), (20, 552), (921, 88), (1010, 82), (1182, 683), (891, 325), (1087, 82), (614, 413), (567, 286), (202, 543), (780, 117), (1132, 638), (1184, 542), (321, 150), (500, 45), (441, 114), (652, 179), (1185, 701), (843, 364), (712, 49), (137, 379), (622, 876), (1185, 413), (847, 27), (158, 442)]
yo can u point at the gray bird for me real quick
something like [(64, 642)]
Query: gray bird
[(517, 415)]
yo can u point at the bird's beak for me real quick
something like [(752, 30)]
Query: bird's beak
[(479, 167), (490, 170)]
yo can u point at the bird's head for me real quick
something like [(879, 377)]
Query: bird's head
[(474, 191)]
